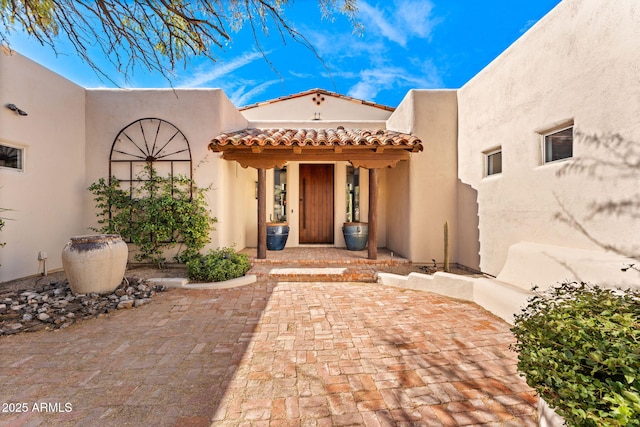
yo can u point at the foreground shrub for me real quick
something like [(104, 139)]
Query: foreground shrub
[(218, 265), (155, 215), (579, 347)]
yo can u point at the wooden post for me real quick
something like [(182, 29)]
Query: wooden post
[(262, 213), (373, 214)]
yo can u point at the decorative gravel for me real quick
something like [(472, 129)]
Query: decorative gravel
[(54, 306)]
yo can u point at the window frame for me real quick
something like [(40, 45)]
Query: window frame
[(544, 144), (487, 162), (22, 157)]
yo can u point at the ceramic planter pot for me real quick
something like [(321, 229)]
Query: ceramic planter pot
[(277, 234), (356, 235), (95, 263)]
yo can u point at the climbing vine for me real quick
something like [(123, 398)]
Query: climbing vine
[(157, 215)]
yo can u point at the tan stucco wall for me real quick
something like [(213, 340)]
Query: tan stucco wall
[(47, 198), (423, 191), (305, 108), (580, 63), (200, 115)]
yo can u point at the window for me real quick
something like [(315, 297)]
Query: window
[(493, 160), (280, 194), (353, 194), (558, 145), (11, 157)]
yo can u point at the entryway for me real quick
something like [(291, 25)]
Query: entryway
[(316, 203)]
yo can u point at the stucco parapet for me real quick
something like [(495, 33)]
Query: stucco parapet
[(318, 91), (546, 265), (501, 299), (318, 124), (157, 90), (451, 285)]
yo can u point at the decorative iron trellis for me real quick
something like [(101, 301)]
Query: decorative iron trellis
[(149, 142), (145, 141)]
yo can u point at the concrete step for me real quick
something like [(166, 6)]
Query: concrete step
[(297, 273)]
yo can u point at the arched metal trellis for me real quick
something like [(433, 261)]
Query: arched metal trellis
[(149, 141)]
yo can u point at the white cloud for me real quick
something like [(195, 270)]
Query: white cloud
[(399, 20), (241, 96), (379, 19), (373, 81), (416, 17), (301, 75), (204, 76)]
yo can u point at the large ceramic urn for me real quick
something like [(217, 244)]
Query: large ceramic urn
[(356, 235), (95, 263), (277, 234)]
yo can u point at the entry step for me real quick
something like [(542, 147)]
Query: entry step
[(306, 271), (303, 273)]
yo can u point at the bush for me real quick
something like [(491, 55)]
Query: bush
[(218, 265), (579, 347), (156, 215)]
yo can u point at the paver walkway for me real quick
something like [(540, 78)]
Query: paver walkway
[(277, 354)]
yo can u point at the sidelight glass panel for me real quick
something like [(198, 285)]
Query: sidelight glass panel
[(280, 194), (353, 194)]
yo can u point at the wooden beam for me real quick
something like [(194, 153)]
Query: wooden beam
[(373, 214), (374, 163), (269, 159), (262, 213)]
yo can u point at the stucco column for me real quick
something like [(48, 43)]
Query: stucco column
[(262, 213), (373, 214)]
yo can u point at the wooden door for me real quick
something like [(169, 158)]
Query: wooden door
[(316, 203)]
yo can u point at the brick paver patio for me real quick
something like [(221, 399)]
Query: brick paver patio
[(271, 354)]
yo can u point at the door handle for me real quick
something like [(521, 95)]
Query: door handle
[(303, 209)]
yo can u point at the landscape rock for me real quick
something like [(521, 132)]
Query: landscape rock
[(128, 303), (54, 306)]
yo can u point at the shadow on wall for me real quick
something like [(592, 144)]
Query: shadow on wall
[(468, 227), (609, 173)]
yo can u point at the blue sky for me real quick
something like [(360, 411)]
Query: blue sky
[(406, 44)]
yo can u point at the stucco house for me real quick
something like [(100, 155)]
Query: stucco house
[(534, 162)]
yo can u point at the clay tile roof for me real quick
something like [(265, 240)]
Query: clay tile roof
[(317, 137), (320, 92)]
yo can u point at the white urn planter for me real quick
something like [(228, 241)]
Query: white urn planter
[(95, 263)]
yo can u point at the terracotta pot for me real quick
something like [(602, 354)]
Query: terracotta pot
[(95, 263)]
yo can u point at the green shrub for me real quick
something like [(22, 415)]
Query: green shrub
[(156, 215), (219, 265), (579, 347)]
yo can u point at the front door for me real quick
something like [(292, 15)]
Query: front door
[(316, 203)]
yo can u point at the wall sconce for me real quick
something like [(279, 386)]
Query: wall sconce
[(15, 109)]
